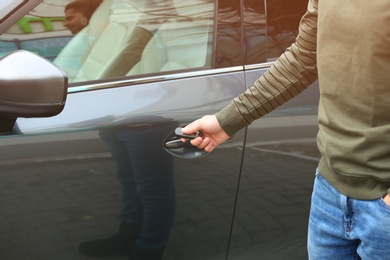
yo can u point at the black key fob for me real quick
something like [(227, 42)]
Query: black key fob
[(179, 133)]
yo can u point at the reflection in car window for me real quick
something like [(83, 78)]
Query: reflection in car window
[(283, 18), (78, 14), (121, 38), (8, 6), (41, 31), (228, 50), (255, 31)]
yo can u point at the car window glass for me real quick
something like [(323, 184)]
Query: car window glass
[(40, 31), (8, 6), (283, 18), (100, 39), (255, 28)]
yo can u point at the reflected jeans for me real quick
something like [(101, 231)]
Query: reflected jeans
[(342, 228), (145, 172)]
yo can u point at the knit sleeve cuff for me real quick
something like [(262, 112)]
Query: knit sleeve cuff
[(230, 120)]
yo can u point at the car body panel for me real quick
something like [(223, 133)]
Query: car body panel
[(62, 146), (127, 104), (276, 181)]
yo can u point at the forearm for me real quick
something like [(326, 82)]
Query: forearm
[(292, 73)]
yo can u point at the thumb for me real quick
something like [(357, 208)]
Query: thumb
[(192, 127)]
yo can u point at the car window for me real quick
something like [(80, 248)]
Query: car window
[(255, 28), (283, 18), (100, 39), (7, 7), (40, 31)]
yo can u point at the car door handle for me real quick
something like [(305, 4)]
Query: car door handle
[(177, 148), (174, 144)]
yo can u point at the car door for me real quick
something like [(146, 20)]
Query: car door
[(280, 154), (136, 72)]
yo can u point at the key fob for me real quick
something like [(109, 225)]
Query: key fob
[(180, 134)]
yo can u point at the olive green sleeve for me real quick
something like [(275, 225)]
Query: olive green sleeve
[(292, 73), (230, 120)]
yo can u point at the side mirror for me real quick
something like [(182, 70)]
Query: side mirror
[(30, 86)]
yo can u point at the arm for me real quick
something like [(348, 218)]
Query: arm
[(387, 197), (292, 73)]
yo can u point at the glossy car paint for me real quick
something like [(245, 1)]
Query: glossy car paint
[(58, 171), (248, 199), (276, 181)]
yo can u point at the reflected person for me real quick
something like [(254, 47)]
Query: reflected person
[(78, 13), (145, 172)]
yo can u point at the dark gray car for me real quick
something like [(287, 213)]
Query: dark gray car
[(76, 110)]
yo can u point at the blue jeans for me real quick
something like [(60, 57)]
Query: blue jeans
[(145, 172), (342, 228)]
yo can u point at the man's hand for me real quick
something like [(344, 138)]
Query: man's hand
[(212, 133), (387, 199)]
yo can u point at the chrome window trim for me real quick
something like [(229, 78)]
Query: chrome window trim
[(15, 15), (265, 65), (148, 79)]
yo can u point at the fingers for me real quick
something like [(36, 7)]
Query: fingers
[(192, 127), (199, 142), (209, 148), (203, 143), (212, 133)]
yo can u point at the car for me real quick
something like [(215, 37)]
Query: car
[(139, 70)]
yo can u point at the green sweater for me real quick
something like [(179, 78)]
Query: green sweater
[(346, 45)]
